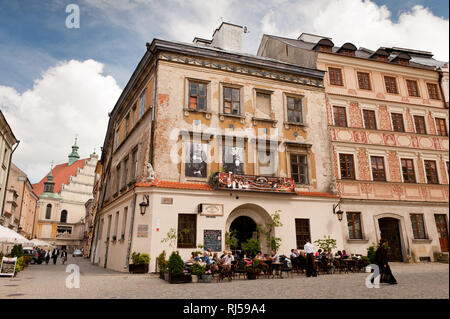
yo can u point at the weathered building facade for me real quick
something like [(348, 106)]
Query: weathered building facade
[(63, 194), (203, 141), (388, 124)]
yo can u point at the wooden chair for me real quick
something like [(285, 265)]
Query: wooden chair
[(240, 268)]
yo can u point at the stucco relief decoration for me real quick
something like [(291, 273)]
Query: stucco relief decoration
[(150, 173), (414, 142), (355, 115), (431, 128), (164, 100), (366, 188), (443, 172), (363, 165), (394, 167), (329, 117), (398, 190), (389, 139), (424, 192), (385, 122), (437, 145), (339, 187), (335, 160), (446, 193), (420, 169), (360, 137), (409, 122)]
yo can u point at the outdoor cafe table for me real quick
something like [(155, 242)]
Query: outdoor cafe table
[(277, 267), (351, 264)]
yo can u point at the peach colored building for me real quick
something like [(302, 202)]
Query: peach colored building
[(388, 124), (206, 139)]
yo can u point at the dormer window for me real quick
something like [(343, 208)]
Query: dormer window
[(380, 55), (402, 58), (324, 45), (347, 49), (323, 48)]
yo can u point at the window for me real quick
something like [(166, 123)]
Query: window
[(413, 89), (294, 110), (335, 76), (124, 222), (419, 122), (63, 231), (125, 173), (197, 96), (370, 121), (364, 80), (347, 166), (418, 226), (63, 218), (48, 211), (409, 175), (231, 101), (117, 137), (340, 118), (433, 91), (195, 163), (354, 225), (116, 224), (299, 168), (134, 165), (431, 172), (441, 127), (266, 160), (302, 232), (127, 124), (323, 48), (378, 171), (142, 105), (233, 158), (133, 114), (348, 52), (187, 231), (397, 122), (117, 178), (263, 108), (391, 85)]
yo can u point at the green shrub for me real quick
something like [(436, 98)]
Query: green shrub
[(16, 251), (175, 264), (327, 243), (365, 260), (371, 253), (140, 259), (198, 269), (251, 246), (162, 262)]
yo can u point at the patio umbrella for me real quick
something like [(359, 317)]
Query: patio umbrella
[(9, 236), (40, 243)]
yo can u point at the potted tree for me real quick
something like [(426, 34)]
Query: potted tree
[(254, 269), (197, 271), (140, 263), (252, 246), (162, 264), (176, 269)]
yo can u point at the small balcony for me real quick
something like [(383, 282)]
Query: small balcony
[(255, 183)]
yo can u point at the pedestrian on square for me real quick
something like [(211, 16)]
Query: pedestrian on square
[(381, 259), (47, 256), (63, 256), (309, 251), (55, 254)]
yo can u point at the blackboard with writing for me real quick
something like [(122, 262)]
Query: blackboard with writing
[(212, 239), (8, 267)]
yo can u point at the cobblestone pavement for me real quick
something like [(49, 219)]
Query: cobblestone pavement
[(425, 280)]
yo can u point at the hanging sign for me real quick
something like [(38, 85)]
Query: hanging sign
[(8, 267)]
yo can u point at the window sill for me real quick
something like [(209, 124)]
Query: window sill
[(422, 241), (288, 124), (355, 241), (223, 115), (196, 111)]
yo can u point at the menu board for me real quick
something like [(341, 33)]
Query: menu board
[(8, 267), (212, 239)]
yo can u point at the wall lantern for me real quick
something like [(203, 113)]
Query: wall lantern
[(143, 205), (339, 213)]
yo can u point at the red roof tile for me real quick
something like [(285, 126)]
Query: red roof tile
[(61, 174)]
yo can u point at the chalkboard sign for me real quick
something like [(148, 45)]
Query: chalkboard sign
[(8, 267), (212, 239)]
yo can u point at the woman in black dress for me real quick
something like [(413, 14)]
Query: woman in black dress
[(381, 258)]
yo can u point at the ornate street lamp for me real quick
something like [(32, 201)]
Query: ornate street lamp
[(143, 205), (339, 213)]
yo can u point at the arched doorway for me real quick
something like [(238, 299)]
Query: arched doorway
[(390, 231), (245, 227)]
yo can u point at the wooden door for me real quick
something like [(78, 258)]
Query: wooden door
[(441, 225), (390, 231)]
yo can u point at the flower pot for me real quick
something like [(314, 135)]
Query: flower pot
[(161, 275), (179, 279), (166, 275), (194, 278), (207, 278), (252, 275), (138, 269)]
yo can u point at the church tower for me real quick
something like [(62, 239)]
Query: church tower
[(73, 157)]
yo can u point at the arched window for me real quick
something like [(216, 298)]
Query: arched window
[(63, 218), (48, 212)]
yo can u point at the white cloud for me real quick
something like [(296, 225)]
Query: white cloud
[(73, 97)]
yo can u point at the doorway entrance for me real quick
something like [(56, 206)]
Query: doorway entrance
[(245, 227), (441, 225), (390, 231)]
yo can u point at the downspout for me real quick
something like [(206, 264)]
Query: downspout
[(130, 237), (7, 178)]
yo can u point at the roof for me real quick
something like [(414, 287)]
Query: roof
[(207, 187), (61, 174)]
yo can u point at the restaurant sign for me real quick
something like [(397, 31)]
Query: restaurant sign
[(255, 183), (8, 267)]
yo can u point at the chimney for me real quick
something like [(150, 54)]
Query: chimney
[(228, 37)]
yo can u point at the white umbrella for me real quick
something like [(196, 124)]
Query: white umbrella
[(40, 243), (9, 236)]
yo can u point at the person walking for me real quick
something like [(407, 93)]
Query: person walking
[(381, 259), (47, 256), (63, 256), (55, 254), (309, 251)]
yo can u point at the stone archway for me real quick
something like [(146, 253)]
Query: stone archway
[(391, 227), (248, 216)]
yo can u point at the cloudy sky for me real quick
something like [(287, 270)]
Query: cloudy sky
[(57, 82)]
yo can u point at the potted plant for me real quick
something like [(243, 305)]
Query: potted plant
[(162, 264), (254, 269), (114, 238), (197, 270), (207, 276), (252, 246), (140, 263), (177, 273)]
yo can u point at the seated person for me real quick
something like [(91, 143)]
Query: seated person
[(228, 259), (259, 256), (344, 254), (293, 253), (338, 255), (215, 258), (274, 256), (318, 254), (206, 258)]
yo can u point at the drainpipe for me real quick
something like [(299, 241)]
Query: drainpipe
[(7, 178), (133, 209)]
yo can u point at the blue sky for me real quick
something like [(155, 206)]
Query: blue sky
[(94, 62)]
